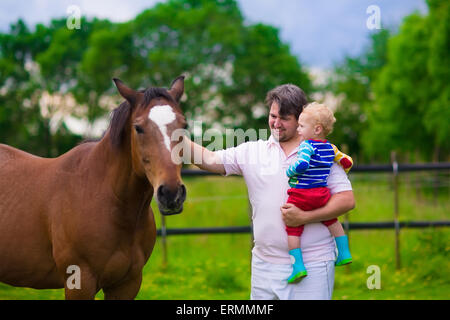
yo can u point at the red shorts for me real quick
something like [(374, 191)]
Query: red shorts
[(308, 199)]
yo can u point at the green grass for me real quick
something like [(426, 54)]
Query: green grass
[(218, 266)]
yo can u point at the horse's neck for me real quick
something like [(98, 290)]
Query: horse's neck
[(118, 171)]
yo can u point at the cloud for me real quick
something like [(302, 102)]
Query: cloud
[(319, 32), (322, 32), (118, 11), (42, 11)]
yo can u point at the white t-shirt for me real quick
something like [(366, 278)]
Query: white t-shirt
[(263, 165)]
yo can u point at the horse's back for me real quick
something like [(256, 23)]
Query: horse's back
[(8, 153), (25, 247), (20, 171)]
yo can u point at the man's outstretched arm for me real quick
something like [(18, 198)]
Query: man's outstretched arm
[(204, 158), (338, 204)]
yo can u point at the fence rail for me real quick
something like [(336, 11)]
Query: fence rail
[(394, 168), (401, 167), (351, 226), (436, 166)]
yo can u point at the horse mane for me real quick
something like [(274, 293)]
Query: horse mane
[(121, 115)]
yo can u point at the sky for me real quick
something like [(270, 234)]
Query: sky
[(319, 32)]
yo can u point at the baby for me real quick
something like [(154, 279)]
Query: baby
[(308, 181)]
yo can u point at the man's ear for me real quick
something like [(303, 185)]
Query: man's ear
[(177, 88), (129, 94)]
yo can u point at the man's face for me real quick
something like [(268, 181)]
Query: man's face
[(283, 128)]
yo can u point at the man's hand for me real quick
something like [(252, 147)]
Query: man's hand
[(338, 204), (203, 158), (292, 215)]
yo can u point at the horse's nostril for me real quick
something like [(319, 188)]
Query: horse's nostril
[(160, 192), (164, 194), (183, 193)]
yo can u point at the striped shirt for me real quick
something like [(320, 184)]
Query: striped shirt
[(314, 160)]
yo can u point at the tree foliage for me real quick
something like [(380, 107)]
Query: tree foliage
[(412, 104), (229, 67), (352, 84), (396, 94)]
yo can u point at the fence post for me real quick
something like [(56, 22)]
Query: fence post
[(164, 240), (347, 225), (347, 232), (396, 221)]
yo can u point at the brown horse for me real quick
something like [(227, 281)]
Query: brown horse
[(83, 221)]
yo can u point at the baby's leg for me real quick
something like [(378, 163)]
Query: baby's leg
[(344, 256), (336, 229), (293, 242), (298, 268)]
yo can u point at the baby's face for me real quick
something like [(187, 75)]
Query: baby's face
[(306, 127)]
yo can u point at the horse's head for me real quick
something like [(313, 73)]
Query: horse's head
[(155, 114)]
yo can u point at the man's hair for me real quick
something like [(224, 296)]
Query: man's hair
[(290, 99), (322, 115)]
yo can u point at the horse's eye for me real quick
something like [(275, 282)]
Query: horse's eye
[(139, 129)]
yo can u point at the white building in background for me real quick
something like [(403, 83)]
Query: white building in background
[(63, 109), (320, 77)]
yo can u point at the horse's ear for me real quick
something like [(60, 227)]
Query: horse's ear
[(129, 94), (177, 88)]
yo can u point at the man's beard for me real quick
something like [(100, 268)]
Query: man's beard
[(282, 136)]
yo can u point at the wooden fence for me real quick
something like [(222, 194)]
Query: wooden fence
[(394, 168)]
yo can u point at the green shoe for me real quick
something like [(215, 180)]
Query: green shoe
[(297, 277), (344, 256), (343, 262), (298, 268)]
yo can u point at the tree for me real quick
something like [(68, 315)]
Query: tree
[(229, 67), (395, 96), (261, 63), (32, 63), (412, 93), (352, 83)]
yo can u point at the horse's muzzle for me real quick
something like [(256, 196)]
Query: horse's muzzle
[(170, 201)]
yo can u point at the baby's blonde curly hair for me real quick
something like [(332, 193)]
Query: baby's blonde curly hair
[(322, 115)]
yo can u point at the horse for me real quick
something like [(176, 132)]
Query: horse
[(83, 221)]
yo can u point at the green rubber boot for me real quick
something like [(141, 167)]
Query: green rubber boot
[(299, 270), (344, 256)]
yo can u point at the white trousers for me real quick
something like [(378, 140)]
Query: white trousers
[(269, 281)]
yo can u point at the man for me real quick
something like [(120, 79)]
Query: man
[(263, 165)]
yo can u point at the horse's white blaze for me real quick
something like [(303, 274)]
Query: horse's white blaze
[(162, 116)]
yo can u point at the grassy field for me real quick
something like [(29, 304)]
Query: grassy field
[(218, 266)]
